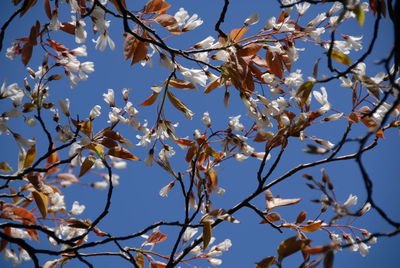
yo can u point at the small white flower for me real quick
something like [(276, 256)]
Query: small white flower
[(252, 19), (189, 233), (64, 106), (302, 8), (10, 255), (235, 124), (206, 119), (165, 190), (109, 97), (30, 121), (195, 75), (192, 23), (57, 202), (214, 261), (27, 143), (351, 201), (364, 249), (181, 16), (206, 43), (95, 112), (103, 40), (77, 209), (100, 185), (80, 33)]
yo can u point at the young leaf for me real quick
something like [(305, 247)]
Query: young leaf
[(42, 202), (304, 91), (30, 156), (266, 262), (360, 16), (340, 57), (150, 100), (156, 237), (181, 84), (301, 217), (87, 165), (291, 246), (207, 233), (5, 167), (236, 34), (312, 227), (179, 105), (123, 153)]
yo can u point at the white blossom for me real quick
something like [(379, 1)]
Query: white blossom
[(252, 19), (206, 119), (57, 202), (95, 112), (109, 97), (351, 201), (64, 106), (197, 76), (77, 209), (235, 124), (206, 43), (189, 233), (102, 40), (100, 185)]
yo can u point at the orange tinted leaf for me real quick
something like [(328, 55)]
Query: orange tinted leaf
[(236, 34), (140, 260), (23, 213), (30, 156), (212, 85), (52, 159), (275, 64), (279, 202), (315, 250), (312, 227), (156, 6), (178, 104), (266, 262), (190, 153), (185, 142), (98, 232), (42, 202), (87, 165), (150, 100), (291, 246), (181, 84), (249, 50), (123, 153)]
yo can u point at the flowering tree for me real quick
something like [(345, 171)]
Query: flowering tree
[(275, 93)]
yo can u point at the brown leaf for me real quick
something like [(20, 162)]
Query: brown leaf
[(26, 6), (315, 250), (140, 260), (47, 8), (156, 237), (123, 153), (266, 262), (236, 34), (68, 28), (291, 246), (25, 214), (150, 100), (301, 217), (181, 84), (52, 159), (190, 153), (87, 165), (27, 50), (213, 85), (279, 202), (42, 202), (116, 5), (30, 156), (178, 104), (312, 227), (329, 258), (207, 233), (156, 6), (168, 22), (249, 50), (140, 52), (275, 64), (108, 142), (185, 142), (5, 167), (222, 215)]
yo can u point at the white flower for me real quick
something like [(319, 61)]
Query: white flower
[(10, 255), (252, 19), (80, 33), (302, 8), (192, 23), (351, 200), (114, 178), (95, 112), (181, 16), (13, 92), (12, 51), (240, 157), (318, 19), (189, 233), (27, 143), (30, 121), (235, 124), (166, 62), (294, 79), (364, 248), (195, 75), (64, 106), (55, 24), (57, 202), (224, 246), (24, 255), (77, 209), (206, 43), (165, 190), (214, 261), (206, 119), (322, 98), (103, 40), (109, 97), (166, 152), (335, 238), (79, 51), (100, 185)]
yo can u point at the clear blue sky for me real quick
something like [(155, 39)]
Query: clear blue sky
[(136, 203)]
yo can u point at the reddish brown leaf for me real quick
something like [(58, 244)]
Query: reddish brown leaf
[(301, 217), (190, 153), (185, 142), (156, 237), (168, 22), (181, 84), (213, 85), (156, 6), (25, 214), (249, 50), (52, 159), (87, 165), (140, 52), (266, 262), (275, 64), (26, 6), (207, 233), (236, 34), (68, 28), (150, 100), (123, 153), (291, 246), (27, 50), (312, 227)]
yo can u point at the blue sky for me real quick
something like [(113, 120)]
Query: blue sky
[(136, 203)]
